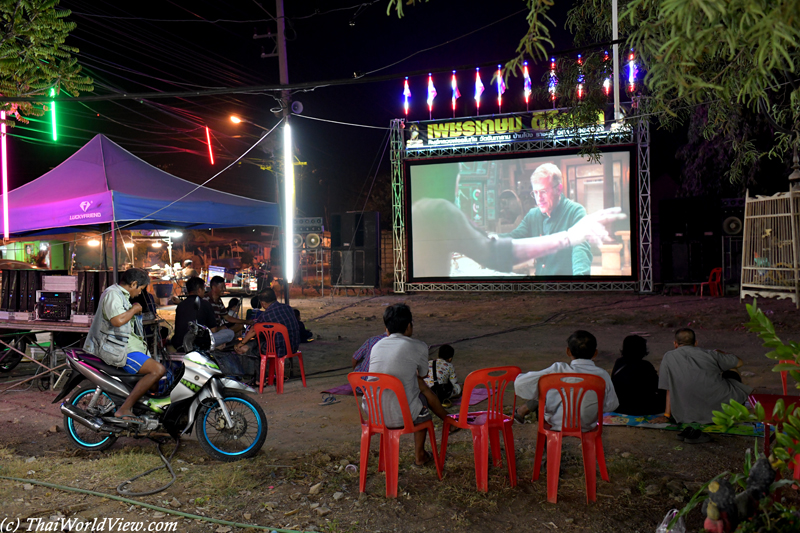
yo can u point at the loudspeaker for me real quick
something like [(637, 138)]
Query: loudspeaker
[(336, 231), (13, 290), (91, 292), (355, 267), (23, 290), (34, 284), (4, 292), (356, 230), (81, 296), (102, 282)]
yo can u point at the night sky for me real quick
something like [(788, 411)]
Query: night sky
[(124, 48)]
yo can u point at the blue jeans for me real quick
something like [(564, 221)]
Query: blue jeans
[(223, 336)]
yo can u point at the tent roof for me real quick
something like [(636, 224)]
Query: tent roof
[(102, 182)]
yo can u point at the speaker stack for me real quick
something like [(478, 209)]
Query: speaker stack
[(355, 249), (696, 235)]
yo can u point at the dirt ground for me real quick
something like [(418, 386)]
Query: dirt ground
[(651, 472)]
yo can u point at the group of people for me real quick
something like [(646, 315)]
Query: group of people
[(691, 384)]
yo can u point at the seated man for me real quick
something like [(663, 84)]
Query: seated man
[(187, 312), (116, 336), (406, 359), (362, 355), (214, 297), (581, 349), (697, 382), (277, 313)]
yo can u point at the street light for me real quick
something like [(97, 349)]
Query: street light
[(238, 120)]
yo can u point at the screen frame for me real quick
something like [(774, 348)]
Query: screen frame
[(630, 148)]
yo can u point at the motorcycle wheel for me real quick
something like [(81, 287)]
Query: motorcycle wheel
[(9, 358), (232, 444), (81, 436)]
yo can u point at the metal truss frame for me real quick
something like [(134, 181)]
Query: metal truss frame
[(639, 136)]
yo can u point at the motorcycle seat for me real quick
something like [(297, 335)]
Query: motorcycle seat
[(96, 362)]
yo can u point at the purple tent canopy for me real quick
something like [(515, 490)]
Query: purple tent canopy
[(103, 182)]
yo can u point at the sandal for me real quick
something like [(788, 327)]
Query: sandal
[(428, 459), (518, 417), (329, 400)]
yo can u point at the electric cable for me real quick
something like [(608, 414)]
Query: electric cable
[(167, 464), (165, 510)]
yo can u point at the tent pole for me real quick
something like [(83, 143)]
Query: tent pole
[(114, 253)]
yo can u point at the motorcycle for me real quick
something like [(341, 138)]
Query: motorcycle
[(229, 425)]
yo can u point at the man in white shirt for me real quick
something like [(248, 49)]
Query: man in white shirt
[(406, 359), (581, 349)]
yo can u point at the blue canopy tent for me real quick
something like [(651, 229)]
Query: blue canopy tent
[(102, 183)]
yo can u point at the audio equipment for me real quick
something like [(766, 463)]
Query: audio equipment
[(313, 240), (23, 291), (54, 305)]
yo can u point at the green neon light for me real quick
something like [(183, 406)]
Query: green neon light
[(53, 113)]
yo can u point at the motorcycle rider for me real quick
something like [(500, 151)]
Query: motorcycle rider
[(116, 336)]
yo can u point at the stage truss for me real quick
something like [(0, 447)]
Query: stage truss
[(639, 135)]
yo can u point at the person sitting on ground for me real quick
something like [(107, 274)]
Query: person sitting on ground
[(636, 380), (117, 337), (698, 382), (362, 355), (305, 335), (406, 359), (233, 307), (187, 312), (214, 297), (441, 376), (278, 313), (581, 349)]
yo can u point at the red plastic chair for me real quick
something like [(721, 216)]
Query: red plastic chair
[(714, 283), (572, 394), (487, 425), (785, 372), (373, 386), (265, 336)]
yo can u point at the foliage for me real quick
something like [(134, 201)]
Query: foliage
[(788, 357), (33, 55), (734, 56)]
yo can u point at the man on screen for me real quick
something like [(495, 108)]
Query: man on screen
[(554, 214)]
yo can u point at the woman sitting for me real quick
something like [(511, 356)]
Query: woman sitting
[(636, 380)]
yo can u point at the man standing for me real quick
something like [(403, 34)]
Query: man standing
[(224, 320), (406, 359), (187, 312), (555, 214), (698, 382), (277, 313)]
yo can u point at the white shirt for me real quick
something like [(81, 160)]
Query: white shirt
[(404, 358), (526, 386)]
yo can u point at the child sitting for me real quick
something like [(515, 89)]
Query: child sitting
[(305, 335), (636, 380), (581, 349), (441, 376)]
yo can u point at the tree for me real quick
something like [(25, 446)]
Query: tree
[(733, 56), (33, 55)]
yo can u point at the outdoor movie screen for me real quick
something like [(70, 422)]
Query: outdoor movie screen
[(550, 216)]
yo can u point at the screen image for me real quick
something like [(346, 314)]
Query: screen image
[(555, 216)]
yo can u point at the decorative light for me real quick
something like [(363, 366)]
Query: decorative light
[(501, 88), (208, 139), (288, 209), (235, 119), (5, 173), (406, 96), (456, 93), (631, 71), (157, 244), (478, 89), (53, 112), (607, 81), (431, 95), (128, 245), (579, 88), (552, 83), (527, 87), (93, 242)]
